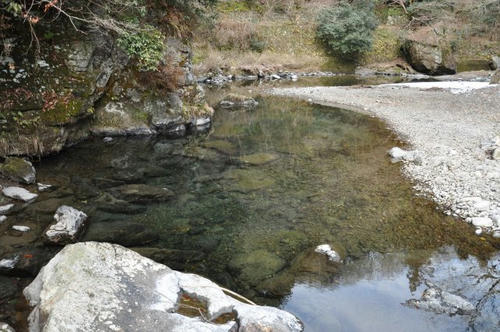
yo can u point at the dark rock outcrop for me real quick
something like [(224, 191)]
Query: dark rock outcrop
[(429, 58)]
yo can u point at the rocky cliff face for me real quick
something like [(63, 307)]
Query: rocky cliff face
[(83, 84)]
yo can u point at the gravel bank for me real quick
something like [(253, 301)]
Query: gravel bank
[(453, 134)]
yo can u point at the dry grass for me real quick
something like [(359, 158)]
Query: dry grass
[(285, 31), (233, 34), (236, 62)]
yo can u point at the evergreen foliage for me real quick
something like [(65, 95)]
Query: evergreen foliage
[(347, 29)]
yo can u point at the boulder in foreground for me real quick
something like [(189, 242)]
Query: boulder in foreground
[(92, 286)]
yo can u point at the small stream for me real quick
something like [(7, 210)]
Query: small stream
[(252, 197)]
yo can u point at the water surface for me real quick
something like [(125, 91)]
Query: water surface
[(252, 198)]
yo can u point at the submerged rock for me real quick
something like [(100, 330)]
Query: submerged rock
[(126, 233), (142, 193), (19, 170), (256, 266), (82, 287), (235, 101), (221, 146), (108, 203), (26, 262), (247, 180), (257, 159), (69, 224), (19, 193)]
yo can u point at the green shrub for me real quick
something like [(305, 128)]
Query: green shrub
[(347, 30), (146, 45)]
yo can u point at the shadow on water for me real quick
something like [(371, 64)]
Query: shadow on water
[(252, 199)]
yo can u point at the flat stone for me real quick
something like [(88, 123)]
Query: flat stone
[(19, 193), (69, 224), (100, 287), (6, 208), (21, 228)]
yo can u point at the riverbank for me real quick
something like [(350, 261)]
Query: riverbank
[(453, 132)]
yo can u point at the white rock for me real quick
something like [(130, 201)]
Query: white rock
[(2, 219), (43, 187), (478, 231), (4, 327), (482, 222), (398, 154), (93, 286), (325, 249), (9, 263), (69, 224), (496, 219), (6, 208), (21, 228), (19, 193), (201, 121), (496, 154), (482, 205), (42, 64)]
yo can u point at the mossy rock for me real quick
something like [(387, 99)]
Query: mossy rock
[(247, 180), (221, 146), (257, 265), (19, 170)]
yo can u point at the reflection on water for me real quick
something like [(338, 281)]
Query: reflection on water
[(371, 294), (252, 198)]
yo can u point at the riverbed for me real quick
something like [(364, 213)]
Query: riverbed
[(252, 198)]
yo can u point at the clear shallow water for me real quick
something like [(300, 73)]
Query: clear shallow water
[(252, 198)]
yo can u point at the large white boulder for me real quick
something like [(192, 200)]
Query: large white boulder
[(92, 286), (69, 224)]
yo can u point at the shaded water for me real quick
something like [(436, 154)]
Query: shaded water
[(253, 197)]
